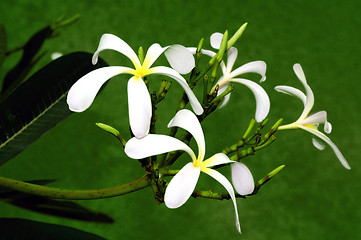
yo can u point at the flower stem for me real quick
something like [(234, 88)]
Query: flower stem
[(59, 193)]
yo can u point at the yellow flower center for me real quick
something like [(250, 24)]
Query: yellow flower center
[(141, 72), (198, 162), (312, 126)]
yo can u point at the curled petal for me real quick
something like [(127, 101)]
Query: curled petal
[(231, 59), (293, 92), (155, 144), (242, 179), (262, 99), (187, 120), (227, 185), (181, 186), (82, 93), (216, 159), (180, 58), (140, 107), (176, 76), (310, 99), (251, 67), (112, 42), (316, 118), (330, 143), (153, 54), (299, 72), (216, 40), (319, 145)]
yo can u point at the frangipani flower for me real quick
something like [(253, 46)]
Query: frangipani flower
[(310, 123), (184, 182), (83, 92), (262, 99)]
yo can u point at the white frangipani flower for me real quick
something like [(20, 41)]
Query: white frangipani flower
[(310, 123), (183, 183), (262, 99), (83, 92)]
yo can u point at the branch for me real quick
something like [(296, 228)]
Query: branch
[(59, 193)]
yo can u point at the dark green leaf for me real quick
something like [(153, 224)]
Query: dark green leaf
[(3, 43), (22, 229), (52, 207), (16, 75), (58, 208), (39, 103)]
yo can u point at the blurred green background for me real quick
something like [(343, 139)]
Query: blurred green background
[(313, 198)]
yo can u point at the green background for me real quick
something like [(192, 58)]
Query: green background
[(313, 198)]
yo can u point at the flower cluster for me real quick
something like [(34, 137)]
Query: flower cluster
[(146, 144)]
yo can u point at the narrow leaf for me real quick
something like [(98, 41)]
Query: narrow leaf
[(58, 208), (21, 229), (39, 103), (3, 43), (16, 75)]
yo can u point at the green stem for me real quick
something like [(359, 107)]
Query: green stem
[(212, 195), (59, 193)]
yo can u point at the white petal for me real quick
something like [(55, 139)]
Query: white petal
[(180, 58), (310, 99), (187, 120), (316, 118), (176, 76), (82, 93), (319, 145), (293, 92), (225, 98), (155, 144), (330, 143), (208, 52), (193, 50), (242, 179), (140, 107), (222, 180), (112, 42), (251, 67), (262, 99), (56, 55), (216, 40), (232, 56), (224, 69), (328, 127), (181, 186), (153, 54), (299, 72), (216, 159)]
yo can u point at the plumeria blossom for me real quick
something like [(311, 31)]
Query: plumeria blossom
[(259, 67), (184, 182), (310, 123), (83, 92)]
